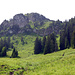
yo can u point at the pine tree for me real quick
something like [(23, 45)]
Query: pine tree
[(3, 53), (14, 53), (43, 43), (37, 46), (47, 45), (62, 40), (53, 41), (73, 40)]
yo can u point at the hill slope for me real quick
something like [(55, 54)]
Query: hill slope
[(54, 64), (30, 23)]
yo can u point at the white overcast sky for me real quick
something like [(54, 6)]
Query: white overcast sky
[(52, 9)]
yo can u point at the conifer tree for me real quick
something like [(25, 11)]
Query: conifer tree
[(14, 53), (47, 45), (53, 41), (37, 46), (73, 40), (43, 43), (62, 40), (3, 53)]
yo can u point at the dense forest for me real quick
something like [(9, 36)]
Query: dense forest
[(49, 44), (5, 44)]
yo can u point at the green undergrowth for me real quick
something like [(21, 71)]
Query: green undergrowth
[(30, 64), (50, 64)]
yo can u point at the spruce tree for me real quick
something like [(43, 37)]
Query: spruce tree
[(62, 40), (53, 41), (3, 53), (14, 53), (37, 46), (47, 45), (73, 40), (43, 43)]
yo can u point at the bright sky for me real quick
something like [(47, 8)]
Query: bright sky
[(52, 9)]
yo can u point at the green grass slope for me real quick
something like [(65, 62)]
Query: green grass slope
[(31, 64)]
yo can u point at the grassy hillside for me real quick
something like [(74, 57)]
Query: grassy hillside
[(31, 64)]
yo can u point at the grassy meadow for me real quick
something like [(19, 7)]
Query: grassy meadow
[(30, 64)]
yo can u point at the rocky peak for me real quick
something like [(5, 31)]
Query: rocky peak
[(36, 17), (20, 20), (29, 23), (5, 23)]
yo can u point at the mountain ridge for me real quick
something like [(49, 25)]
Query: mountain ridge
[(29, 23)]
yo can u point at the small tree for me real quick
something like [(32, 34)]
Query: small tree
[(14, 53), (73, 40), (37, 46), (3, 53), (47, 45), (43, 43)]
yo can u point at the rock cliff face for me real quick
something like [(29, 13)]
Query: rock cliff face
[(20, 20), (28, 23)]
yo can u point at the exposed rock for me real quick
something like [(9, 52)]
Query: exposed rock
[(5, 23), (20, 20), (34, 17), (29, 23)]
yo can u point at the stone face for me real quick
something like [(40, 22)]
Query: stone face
[(5, 23), (36, 17), (20, 20), (28, 23), (11, 23)]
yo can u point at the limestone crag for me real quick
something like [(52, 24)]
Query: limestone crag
[(20, 20), (29, 23)]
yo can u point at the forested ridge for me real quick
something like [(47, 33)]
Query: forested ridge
[(37, 46)]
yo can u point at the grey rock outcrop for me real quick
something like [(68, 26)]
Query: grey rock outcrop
[(29, 23), (5, 23), (20, 20)]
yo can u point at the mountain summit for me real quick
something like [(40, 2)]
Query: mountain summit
[(28, 23)]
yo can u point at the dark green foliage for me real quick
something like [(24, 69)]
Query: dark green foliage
[(4, 45), (3, 53), (22, 41), (51, 44), (14, 53), (43, 43), (47, 46), (62, 40), (38, 46), (73, 40)]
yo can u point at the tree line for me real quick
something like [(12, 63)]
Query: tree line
[(5, 44), (67, 35), (47, 45)]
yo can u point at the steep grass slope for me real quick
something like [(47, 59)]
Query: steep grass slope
[(50, 64), (31, 64)]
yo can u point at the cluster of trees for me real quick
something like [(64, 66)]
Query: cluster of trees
[(5, 44), (14, 53), (48, 45), (67, 35), (67, 39)]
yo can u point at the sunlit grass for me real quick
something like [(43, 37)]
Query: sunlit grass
[(40, 64)]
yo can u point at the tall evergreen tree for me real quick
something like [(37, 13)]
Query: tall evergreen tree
[(37, 46), (3, 53), (53, 41), (73, 40), (47, 45), (43, 43), (14, 53), (62, 40)]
